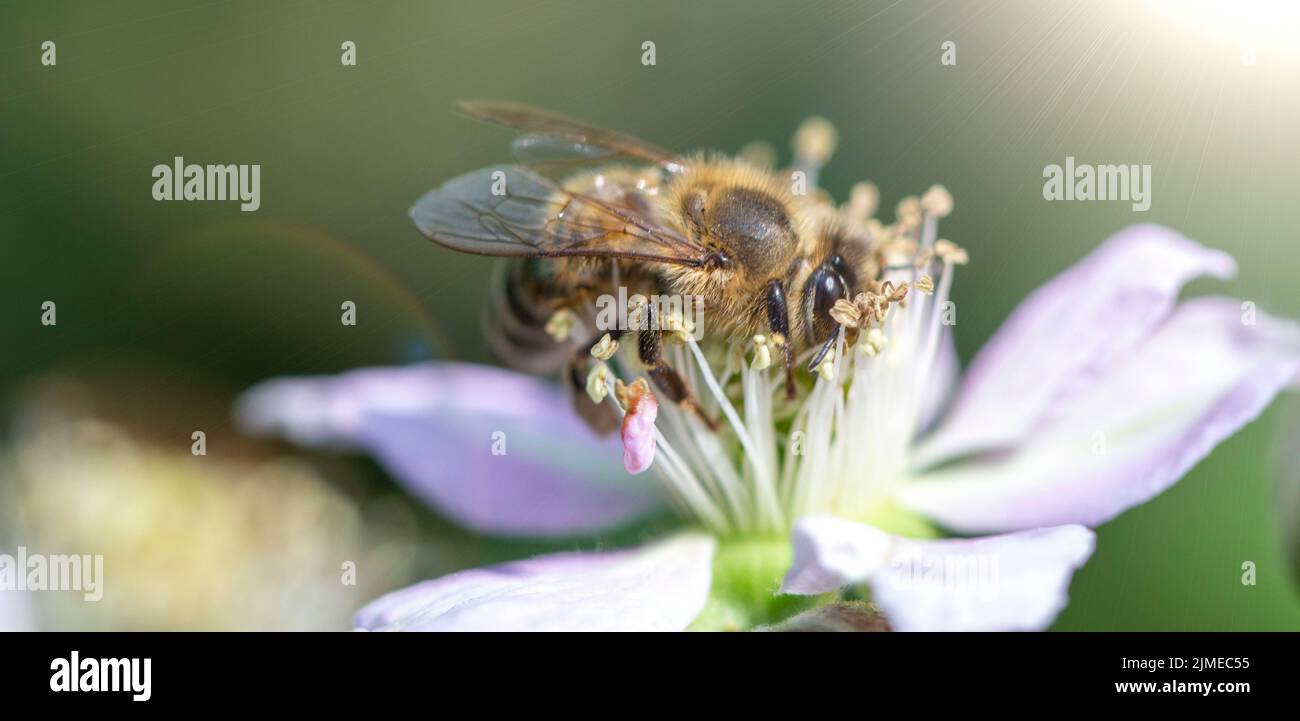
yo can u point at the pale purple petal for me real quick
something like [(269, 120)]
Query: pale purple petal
[(496, 451), (1065, 335), (1203, 375), (1012, 582), (659, 587)]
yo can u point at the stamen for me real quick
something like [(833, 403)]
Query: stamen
[(846, 312), (605, 348), (679, 326), (826, 369), (909, 213), (561, 323), (872, 343), (598, 382), (930, 352), (850, 436), (817, 421), (893, 293), (814, 143), (724, 404), (762, 353), (716, 458), (864, 199), (683, 486), (950, 252), (758, 418), (758, 154), (937, 201)]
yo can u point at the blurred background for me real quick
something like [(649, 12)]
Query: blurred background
[(165, 311)]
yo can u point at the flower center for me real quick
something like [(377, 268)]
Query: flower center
[(844, 443)]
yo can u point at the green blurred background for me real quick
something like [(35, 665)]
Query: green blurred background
[(166, 310)]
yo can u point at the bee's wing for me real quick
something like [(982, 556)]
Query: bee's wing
[(540, 149), (514, 211), (581, 138)]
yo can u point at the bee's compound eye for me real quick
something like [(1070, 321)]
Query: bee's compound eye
[(841, 266), (825, 286)]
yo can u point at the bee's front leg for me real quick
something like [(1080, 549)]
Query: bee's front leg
[(778, 323), (650, 350)]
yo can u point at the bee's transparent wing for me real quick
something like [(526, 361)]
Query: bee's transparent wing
[(539, 149), (566, 134), (514, 211)]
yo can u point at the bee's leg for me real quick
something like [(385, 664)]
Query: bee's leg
[(778, 322), (650, 351)]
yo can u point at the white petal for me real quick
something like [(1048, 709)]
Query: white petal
[(659, 587), (1012, 582)]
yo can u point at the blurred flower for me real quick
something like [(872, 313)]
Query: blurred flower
[(227, 541), (1098, 393)]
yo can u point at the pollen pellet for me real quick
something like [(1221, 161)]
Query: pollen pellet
[(638, 432)]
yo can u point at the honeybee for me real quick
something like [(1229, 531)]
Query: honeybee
[(584, 209)]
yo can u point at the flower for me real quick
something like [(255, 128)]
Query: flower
[(1098, 393), (183, 541)]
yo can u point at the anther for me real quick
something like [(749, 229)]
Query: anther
[(814, 141), (909, 213), (937, 201), (560, 325), (950, 252), (605, 349), (846, 313), (864, 199), (826, 369), (762, 353), (598, 383), (872, 343)]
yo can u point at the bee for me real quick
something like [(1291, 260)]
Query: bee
[(584, 209)]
